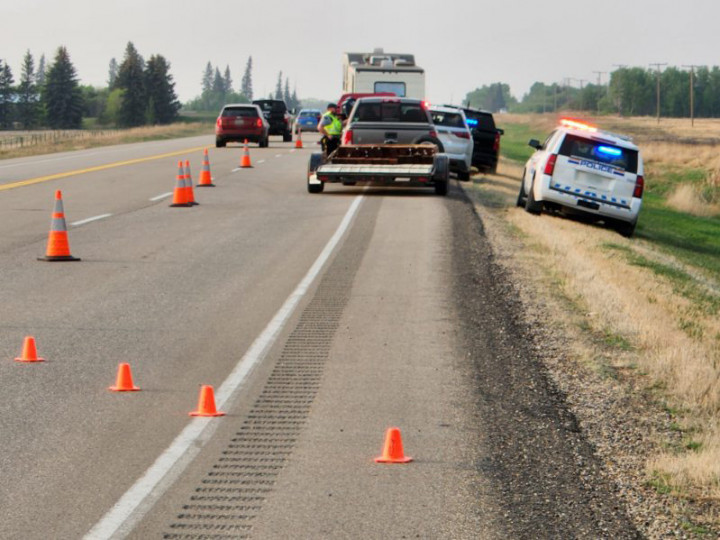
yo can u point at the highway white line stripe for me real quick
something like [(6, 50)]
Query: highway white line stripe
[(88, 220), (161, 196), (278, 155), (261, 161), (236, 169), (140, 498), (291, 151)]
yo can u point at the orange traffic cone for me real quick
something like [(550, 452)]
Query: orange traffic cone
[(124, 382), (180, 193), (58, 248), (189, 185), (29, 352), (205, 179), (245, 160), (298, 141), (206, 403), (393, 449)]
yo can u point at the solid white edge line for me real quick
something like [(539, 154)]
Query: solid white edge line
[(161, 196), (120, 520), (88, 220)]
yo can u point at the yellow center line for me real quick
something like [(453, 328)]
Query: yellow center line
[(40, 179)]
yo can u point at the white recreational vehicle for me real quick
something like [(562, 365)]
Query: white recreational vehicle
[(378, 71)]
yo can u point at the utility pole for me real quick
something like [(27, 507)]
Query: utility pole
[(620, 92), (657, 67), (692, 93), (599, 76)]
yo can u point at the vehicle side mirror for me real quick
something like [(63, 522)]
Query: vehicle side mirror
[(535, 144), (501, 131)]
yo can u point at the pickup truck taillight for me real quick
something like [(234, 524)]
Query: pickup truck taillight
[(348, 137), (462, 134), (639, 187), (496, 144), (550, 165), (259, 122)]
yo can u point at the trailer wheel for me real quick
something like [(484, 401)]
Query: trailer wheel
[(441, 178), (315, 161)]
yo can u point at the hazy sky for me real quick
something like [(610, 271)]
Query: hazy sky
[(462, 44)]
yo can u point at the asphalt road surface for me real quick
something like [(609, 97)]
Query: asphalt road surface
[(320, 320)]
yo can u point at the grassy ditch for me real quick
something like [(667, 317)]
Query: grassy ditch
[(81, 140)]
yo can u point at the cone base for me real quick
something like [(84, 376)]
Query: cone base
[(198, 413), (178, 205), (245, 167), (29, 361), (58, 258), (117, 389), (381, 459), (205, 185)]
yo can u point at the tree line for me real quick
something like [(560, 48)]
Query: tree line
[(139, 92), (217, 89), (630, 91)]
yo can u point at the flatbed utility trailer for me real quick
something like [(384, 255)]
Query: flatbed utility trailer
[(419, 165)]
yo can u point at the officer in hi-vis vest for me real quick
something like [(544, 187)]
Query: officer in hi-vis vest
[(330, 127)]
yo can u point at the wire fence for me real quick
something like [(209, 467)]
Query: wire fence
[(36, 138)]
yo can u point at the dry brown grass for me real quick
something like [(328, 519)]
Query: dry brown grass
[(675, 340), (84, 140), (687, 198)]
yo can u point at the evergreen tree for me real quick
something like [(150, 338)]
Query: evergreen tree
[(61, 94), (227, 80), (41, 70), (6, 95), (207, 79), (131, 78), (28, 98), (246, 87), (279, 87), (218, 85), (163, 105), (286, 94), (112, 73), (294, 99)]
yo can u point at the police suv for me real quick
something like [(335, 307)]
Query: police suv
[(582, 169)]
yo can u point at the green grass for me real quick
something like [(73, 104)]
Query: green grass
[(514, 143)]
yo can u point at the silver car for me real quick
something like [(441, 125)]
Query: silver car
[(453, 132)]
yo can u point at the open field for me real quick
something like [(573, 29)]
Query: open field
[(32, 143), (640, 314)]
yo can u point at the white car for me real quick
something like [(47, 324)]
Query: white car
[(453, 132), (580, 168)]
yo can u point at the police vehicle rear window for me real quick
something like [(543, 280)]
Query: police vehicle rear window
[(600, 152), (247, 112), (390, 112), (447, 119)]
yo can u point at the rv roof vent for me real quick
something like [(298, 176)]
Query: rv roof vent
[(387, 62), (401, 62), (378, 50), (377, 60)]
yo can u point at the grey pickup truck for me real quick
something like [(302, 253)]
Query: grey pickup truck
[(387, 141)]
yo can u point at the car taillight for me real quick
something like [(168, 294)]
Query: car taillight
[(433, 134), (218, 123), (550, 165), (639, 187), (348, 137), (259, 122), (462, 134), (496, 144)]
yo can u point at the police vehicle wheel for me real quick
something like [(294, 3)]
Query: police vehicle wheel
[(531, 205), (626, 229), (521, 195), (463, 176), (220, 143), (287, 136)]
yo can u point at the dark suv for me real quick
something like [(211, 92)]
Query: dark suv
[(486, 138), (276, 113)]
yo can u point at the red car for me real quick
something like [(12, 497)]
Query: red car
[(239, 122)]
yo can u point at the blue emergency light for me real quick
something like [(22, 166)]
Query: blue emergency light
[(471, 122), (609, 151)]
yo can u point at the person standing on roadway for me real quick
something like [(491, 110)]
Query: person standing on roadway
[(330, 127)]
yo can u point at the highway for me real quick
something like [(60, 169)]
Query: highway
[(320, 320)]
